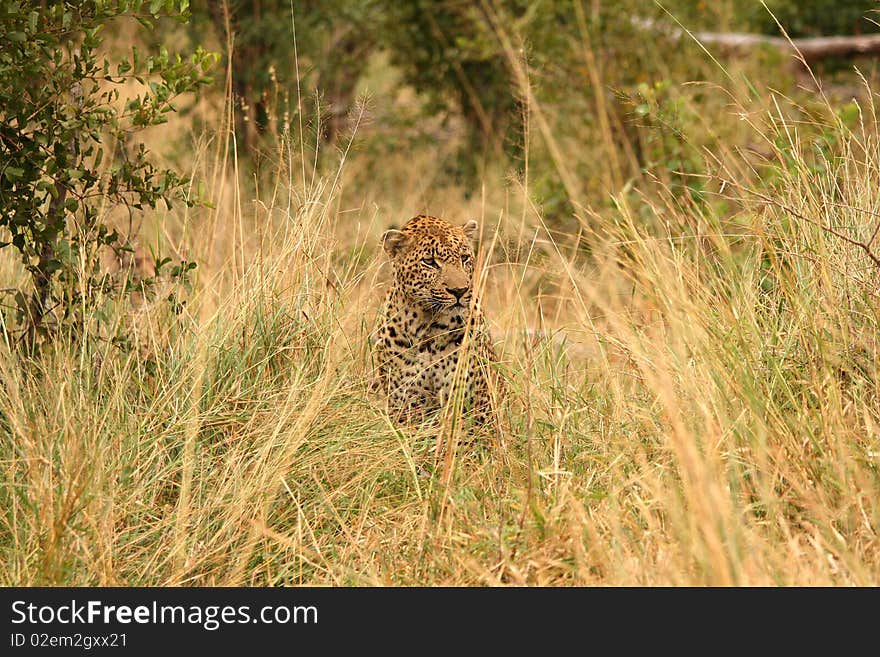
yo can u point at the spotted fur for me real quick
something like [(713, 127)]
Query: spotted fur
[(430, 320)]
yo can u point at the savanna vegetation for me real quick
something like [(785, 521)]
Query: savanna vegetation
[(679, 260)]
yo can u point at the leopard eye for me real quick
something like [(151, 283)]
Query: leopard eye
[(430, 262), (465, 258)]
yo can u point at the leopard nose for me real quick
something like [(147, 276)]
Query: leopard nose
[(457, 292)]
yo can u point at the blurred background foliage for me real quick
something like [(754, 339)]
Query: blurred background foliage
[(815, 17), (448, 74), (580, 97)]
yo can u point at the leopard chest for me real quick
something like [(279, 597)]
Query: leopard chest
[(422, 356)]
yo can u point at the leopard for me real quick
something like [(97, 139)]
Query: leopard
[(433, 338)]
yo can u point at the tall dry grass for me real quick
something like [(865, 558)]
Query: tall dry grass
[(694, 401)]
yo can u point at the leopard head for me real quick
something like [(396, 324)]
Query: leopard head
[(433, 262)]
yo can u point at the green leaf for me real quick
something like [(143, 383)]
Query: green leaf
[(13, 173)]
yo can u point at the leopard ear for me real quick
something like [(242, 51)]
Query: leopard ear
[(393, 241), (470, 229)]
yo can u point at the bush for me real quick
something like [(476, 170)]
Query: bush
[(65, 149)]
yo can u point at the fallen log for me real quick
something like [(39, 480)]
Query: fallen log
[(809, 48)]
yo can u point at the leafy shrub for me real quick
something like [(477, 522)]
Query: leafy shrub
[(66, 160)]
